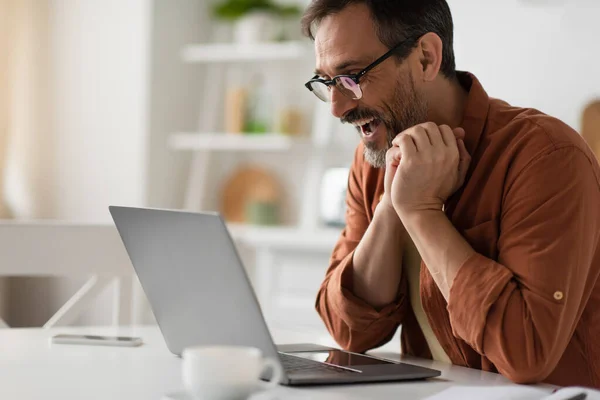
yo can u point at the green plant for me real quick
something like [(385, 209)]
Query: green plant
[(288, 11), (235, 9)]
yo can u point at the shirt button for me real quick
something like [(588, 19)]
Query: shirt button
[(558, 295)]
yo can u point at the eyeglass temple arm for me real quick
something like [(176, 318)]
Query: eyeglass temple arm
[(379, 61)]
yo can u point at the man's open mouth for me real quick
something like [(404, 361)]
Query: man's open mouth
[(367, 126)]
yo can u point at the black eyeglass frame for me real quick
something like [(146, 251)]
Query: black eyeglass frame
[(355, 77)]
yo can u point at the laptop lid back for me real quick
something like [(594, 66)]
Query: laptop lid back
[(194, 280)]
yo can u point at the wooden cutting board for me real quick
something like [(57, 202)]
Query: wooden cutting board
[(590, 127), (249, 183)]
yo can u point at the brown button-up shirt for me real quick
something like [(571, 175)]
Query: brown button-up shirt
[(527, 304)]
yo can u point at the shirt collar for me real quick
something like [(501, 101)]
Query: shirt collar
[(476, 110)]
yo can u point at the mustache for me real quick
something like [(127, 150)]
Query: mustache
[(359, 114)]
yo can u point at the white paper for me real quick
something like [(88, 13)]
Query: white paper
[(491, 393), (570, 392)]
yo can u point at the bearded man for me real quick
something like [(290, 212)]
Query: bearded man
[(473, 224)]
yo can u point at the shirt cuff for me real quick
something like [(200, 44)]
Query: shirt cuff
[(355, 312), (477, 285)]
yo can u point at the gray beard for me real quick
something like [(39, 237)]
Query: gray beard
[(406, 110), (376, 157)]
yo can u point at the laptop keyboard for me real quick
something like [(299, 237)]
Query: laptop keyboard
[(293, 364)]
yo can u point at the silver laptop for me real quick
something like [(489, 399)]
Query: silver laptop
[(200, 295)]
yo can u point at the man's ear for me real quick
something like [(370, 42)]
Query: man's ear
[(430, 49)]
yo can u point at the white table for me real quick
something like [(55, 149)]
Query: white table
[(32, 368)]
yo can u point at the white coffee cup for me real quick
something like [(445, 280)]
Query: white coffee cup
[(226, 372)]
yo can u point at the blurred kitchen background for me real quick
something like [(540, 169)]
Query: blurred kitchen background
[(201, 105)]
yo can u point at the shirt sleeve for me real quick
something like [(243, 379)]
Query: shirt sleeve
[(353, 323), (521, 311)]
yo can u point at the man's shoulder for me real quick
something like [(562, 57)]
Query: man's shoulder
[(527, 133)]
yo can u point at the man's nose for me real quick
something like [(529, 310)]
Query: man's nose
[(340, 104)]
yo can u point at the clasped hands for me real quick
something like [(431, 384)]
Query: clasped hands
[(425, 165)]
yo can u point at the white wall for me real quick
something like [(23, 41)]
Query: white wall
[(100, 95), (533, 53), (175, 91), (81, 140), (31, 142), (83, 145)]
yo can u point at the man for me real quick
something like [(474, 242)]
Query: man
[(473, 224)]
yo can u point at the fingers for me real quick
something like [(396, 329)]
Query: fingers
[(420, 138), (434, 133), (459, 133), (430, 134), (427, 135), (393, 156), (418, 143), (464, 161), (464, 156), (448, 136), (407, 145)]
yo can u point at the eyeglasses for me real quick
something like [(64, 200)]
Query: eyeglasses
[(348, 85)]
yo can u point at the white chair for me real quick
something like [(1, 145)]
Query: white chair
[(61, 249)]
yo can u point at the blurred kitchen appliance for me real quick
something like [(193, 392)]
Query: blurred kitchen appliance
[(332, 207)]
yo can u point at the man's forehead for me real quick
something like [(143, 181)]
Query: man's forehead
[(346, 36)]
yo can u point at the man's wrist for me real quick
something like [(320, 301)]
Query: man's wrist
[(419, 216), (423, 207), (386, 208), (385, 211)]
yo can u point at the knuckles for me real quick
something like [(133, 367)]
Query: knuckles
[(431, 126)]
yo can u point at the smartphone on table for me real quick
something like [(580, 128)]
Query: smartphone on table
[(95, 340)]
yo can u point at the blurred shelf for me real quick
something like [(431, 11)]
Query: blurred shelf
[(232, 52), (285, 237), (233, 141)]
